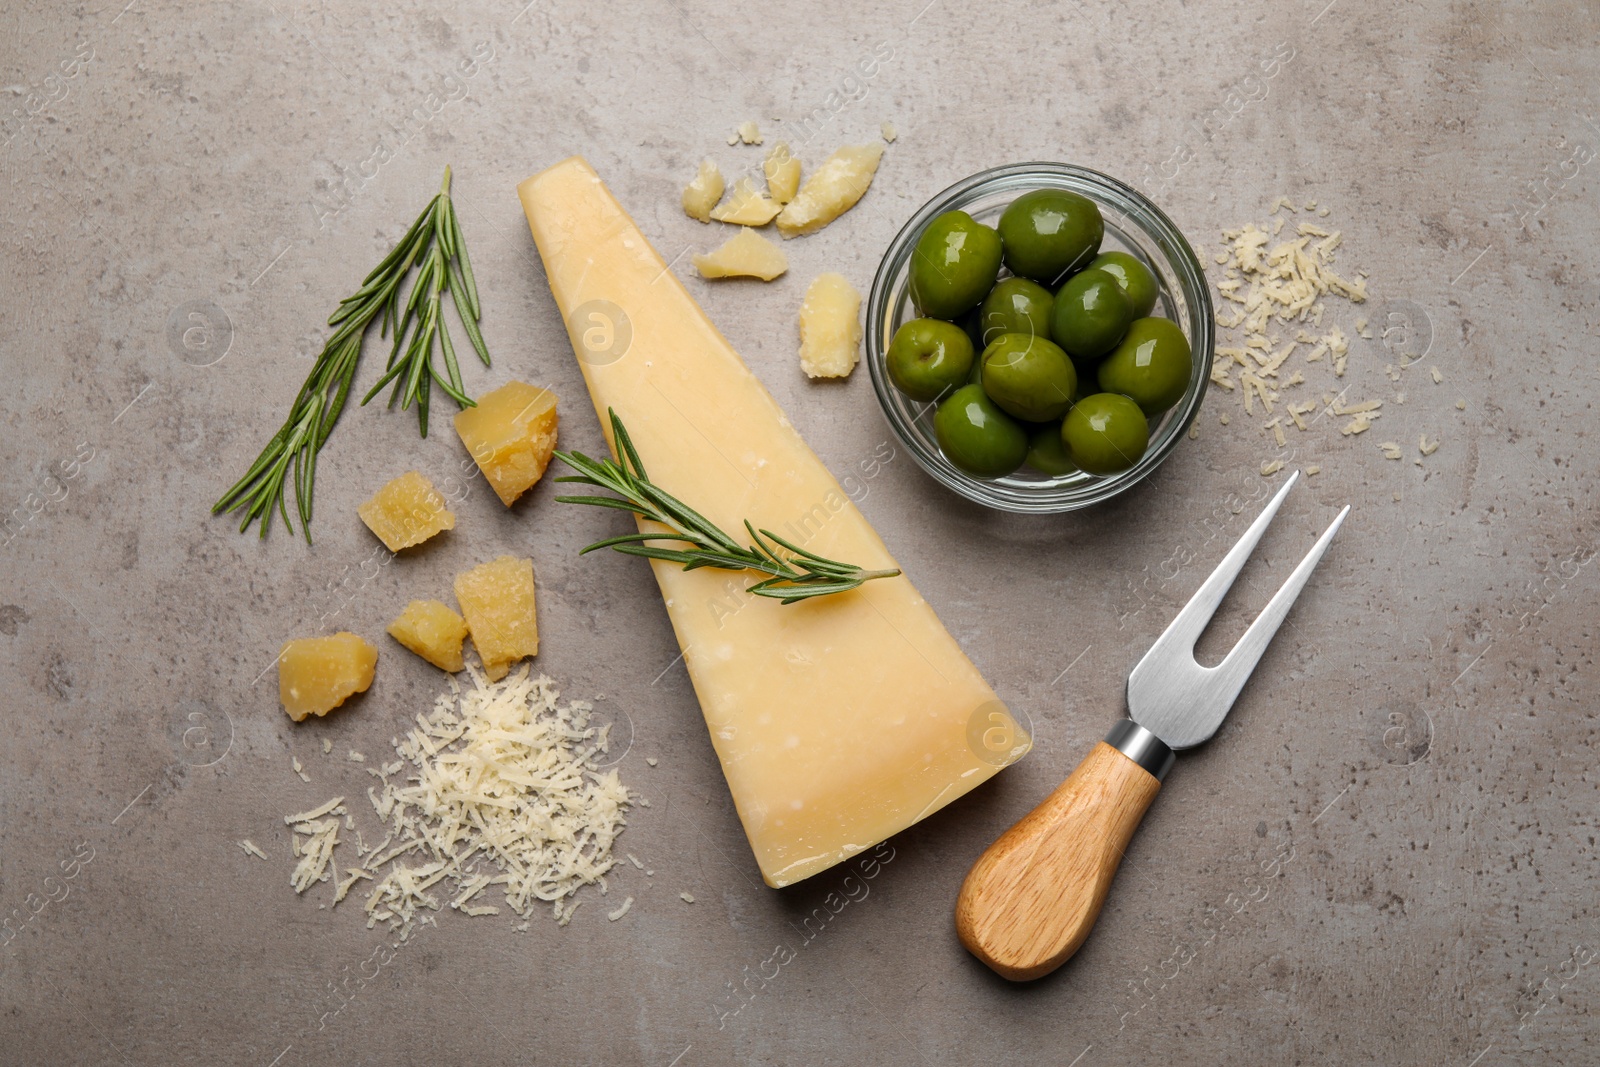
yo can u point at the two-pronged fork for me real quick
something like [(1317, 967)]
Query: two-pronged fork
[(1033, 896)]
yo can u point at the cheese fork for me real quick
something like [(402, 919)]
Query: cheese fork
[(1033, 896)]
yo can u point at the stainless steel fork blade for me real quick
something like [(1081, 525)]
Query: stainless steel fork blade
[(1174, 697)]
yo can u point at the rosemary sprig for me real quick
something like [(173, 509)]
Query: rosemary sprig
[(434, 240), (435, 243), (798, 575)]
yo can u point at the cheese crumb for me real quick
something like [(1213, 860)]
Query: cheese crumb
[(1390, 450), (1437, 377), (355, 757), (294, 761), (686, 898), (651, 760), (1223, 419), (1271, 467), (1461, 405), (749, 133), (250, 848), (620, 912), (1426, 447), (888, 131), (1313, 469), (327, 746)]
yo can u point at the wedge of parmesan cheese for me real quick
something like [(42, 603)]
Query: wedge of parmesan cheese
[(840, 720)]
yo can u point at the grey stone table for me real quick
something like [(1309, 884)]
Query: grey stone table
[(1386, 855)]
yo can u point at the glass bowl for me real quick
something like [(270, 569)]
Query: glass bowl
[(1132, 224)]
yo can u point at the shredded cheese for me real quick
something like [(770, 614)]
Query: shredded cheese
[(250, 848)]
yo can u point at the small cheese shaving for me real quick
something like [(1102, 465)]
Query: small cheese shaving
[(1461, 405), (1223, 419), (686, 898), (250, 848), (355, 757), (1359, 424), (650, 760), (1271, 467), (888, 131), (620, 912), (1390, 450), (316, 853), (749, 133), (1313, 469), (327, 746), (1426, 447), (1437, 377)]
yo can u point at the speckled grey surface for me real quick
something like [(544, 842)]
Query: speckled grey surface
[(1385, 856)]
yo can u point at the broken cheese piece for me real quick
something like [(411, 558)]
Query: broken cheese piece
[(746, 206), (746, 254), (783, 173), (830, 327), (839, 720), (832, 190), (702, 194)]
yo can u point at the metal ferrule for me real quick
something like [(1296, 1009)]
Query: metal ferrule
[(1143, 747)]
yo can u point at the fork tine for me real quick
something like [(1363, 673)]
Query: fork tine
[(1242, 659), (1185, 630)]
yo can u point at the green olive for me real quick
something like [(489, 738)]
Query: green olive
[(1049, 233), (928, 357), (1090, 315), (1047, 452), (1016, 305), (977, 436), (1105, 433), (1029, 377), (1151, 365), (1133, 276), (954, 265)]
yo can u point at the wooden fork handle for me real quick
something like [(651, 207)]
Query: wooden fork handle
[(1033, 896)]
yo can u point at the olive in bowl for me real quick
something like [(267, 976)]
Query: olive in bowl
[(1015, 305), (1090, 314), (1133, 276), (1105, 433), (1050, 232), (930, 357), (956, 262), (1029, 377), (1151, 366), (977, 436)]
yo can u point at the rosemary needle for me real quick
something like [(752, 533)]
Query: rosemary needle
[(792, 576), (434, 242)]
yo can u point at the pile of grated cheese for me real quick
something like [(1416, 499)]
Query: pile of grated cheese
[(1273, 282), (496, 786)]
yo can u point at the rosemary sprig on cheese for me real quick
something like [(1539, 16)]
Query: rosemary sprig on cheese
[(434, 241), (798, 575)]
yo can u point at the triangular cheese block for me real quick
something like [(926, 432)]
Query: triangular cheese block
[(840, 720)]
